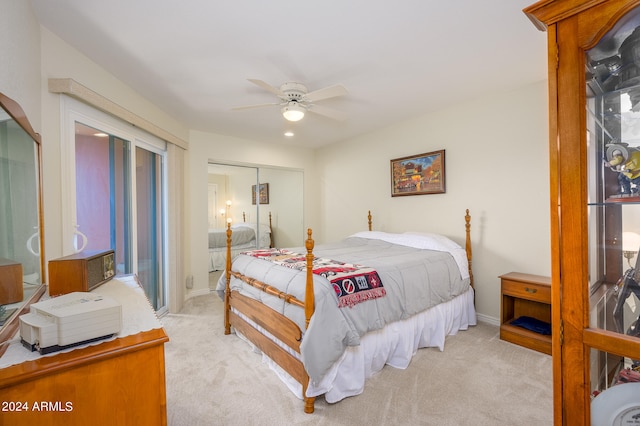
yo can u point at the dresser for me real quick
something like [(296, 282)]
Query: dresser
[(120, 381)]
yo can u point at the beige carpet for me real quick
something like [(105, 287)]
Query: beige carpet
[(213, 379)]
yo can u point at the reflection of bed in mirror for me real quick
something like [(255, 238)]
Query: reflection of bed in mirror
[(245, 236)]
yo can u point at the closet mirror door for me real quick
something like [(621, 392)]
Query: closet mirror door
[(263, 205), (284, 210), (230, 203)]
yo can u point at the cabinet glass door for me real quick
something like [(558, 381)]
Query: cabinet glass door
[(613, 218)]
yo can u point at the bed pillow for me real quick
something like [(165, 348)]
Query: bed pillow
[(437, 239), (420, 240)]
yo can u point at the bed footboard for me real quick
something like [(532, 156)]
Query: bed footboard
[(245, 313)]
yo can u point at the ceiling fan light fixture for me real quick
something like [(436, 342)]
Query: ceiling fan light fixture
[(292, 111)]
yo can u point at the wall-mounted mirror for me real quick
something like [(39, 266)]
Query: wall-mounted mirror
[(22, 267)]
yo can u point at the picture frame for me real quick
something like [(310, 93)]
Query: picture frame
[(264, 193), (418, 174)]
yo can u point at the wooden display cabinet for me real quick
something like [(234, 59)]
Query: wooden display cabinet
[(525, 295), (594, 90)]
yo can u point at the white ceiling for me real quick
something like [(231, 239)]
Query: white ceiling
[(397, 59)]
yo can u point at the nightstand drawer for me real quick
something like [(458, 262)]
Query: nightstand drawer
[(527, 290)]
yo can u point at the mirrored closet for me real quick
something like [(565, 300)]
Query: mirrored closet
[(263, 205)]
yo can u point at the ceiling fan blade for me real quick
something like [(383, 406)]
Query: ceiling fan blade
[(326, 93), (327, 112), (267, 86), (253, 106)]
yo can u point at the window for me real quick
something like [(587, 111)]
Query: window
[(114, 179)]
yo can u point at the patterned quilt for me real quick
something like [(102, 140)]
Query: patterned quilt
[(352, 283)]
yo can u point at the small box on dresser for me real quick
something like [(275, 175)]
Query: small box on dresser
[(525, 295), (82, 271)]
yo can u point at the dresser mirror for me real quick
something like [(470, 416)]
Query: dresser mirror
[(21, 224)]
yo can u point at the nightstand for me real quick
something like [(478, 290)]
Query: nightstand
[(525, 295)]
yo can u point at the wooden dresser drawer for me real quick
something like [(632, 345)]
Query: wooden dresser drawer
[(526, 290)]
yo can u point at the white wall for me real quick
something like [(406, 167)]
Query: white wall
[(20, 49), (496, 159), (208, 147)]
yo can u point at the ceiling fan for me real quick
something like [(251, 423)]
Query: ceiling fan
[(296, 100)]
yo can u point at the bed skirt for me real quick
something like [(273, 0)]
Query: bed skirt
[(393, 345)]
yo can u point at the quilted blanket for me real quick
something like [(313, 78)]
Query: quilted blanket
[(352, 283)]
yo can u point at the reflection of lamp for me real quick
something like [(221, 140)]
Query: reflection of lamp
[(630, 245), (225, 212), (292, 111)]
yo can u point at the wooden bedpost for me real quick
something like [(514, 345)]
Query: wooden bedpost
[(309, 298), (467, 220), (309, 306), (369, 217), (227, 293), (271, 244)]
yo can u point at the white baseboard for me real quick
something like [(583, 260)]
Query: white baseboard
[(487, 319), (196, 293)]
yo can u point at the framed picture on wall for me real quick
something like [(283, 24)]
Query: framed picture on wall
[(264, 193), (418, 174)]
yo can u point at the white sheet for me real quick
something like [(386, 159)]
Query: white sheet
[(393, 345), (424, 241)]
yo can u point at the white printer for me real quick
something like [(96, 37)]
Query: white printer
[(70, 320)]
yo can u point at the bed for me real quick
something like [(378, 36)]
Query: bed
[(245, 236), (411, 291)]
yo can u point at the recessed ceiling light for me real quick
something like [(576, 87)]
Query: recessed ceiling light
[(288, 134), (100, 135)]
